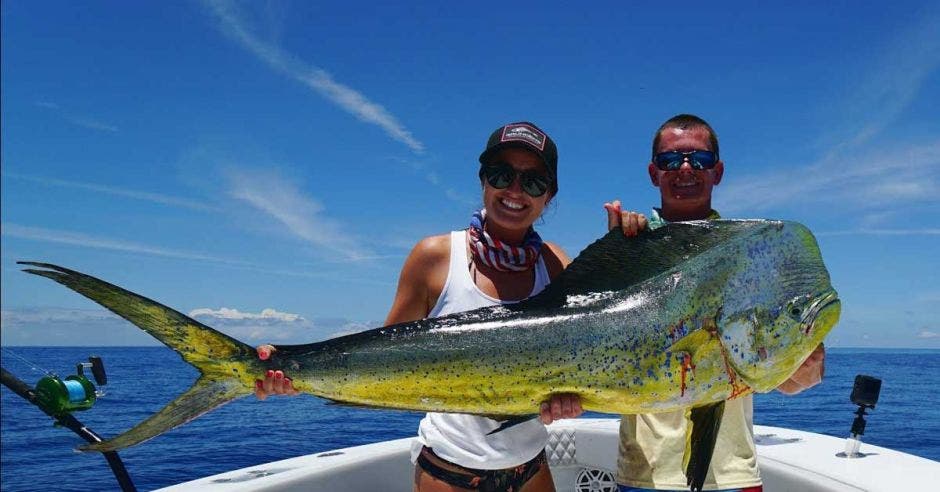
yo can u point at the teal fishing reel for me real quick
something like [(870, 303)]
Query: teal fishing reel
[(74, 393)]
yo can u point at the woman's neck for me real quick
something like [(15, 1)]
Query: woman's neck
[(513, 237)]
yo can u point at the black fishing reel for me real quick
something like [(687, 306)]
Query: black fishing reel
[(865, 394), (74, 393)]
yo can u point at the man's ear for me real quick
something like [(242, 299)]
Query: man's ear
[(719, 170), (654, 175)]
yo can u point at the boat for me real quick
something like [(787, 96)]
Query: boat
[(583, 457)]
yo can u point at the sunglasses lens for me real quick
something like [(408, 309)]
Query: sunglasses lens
[(668, 161), (499, 176), (535, 185), (672, 161), (705, 159)]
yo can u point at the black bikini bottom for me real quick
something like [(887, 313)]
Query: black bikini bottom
[(507, 479)]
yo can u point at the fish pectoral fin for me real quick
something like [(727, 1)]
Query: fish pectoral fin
[(206, 394), (700, 442), (693, 342)]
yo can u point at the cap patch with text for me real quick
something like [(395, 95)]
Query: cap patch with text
[(524, 133)]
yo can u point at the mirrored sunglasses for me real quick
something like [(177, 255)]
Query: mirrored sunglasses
[(500, 175), (698, 159)]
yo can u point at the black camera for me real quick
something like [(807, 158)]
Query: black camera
[(866, 390)]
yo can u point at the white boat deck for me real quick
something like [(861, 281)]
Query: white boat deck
[(583, 454)]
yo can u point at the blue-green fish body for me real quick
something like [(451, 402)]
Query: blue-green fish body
[(684, 316)]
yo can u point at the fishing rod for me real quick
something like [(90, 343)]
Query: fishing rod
[(58, 397)]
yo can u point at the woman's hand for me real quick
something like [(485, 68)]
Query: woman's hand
[(274, 382)]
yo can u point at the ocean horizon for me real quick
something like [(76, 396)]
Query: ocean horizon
[(247, 432)]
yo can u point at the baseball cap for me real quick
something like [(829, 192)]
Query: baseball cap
[(525, 135)]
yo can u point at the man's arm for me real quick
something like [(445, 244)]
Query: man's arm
[(631, 223)]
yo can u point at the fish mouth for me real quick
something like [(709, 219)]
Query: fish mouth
[(824, 313)]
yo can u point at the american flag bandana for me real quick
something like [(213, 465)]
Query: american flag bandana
[(498, 255)]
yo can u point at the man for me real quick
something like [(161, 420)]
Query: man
[(686, 167)]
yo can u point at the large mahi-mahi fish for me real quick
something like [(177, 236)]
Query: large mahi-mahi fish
[(688, 315)]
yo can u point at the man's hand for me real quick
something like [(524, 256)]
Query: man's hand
[(274, 382), (631, 223), (808, 375), (561, 406)]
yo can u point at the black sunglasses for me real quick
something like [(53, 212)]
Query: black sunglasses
[(698, 159), (500, 175)]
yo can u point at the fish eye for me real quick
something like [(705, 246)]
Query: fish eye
[(795, 307)]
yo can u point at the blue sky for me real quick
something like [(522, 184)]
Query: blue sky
[(266, 167)]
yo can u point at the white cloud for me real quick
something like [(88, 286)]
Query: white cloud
[(302, 215), (68, 327), (350, 328), (882, 232), (86, 241), (111, 190), (926, 334), (53, 315), (928, 296), (82, 121), (349, 99), (892, 84), (273, 326), (59, 236), (267, 314), (54, 326), (855, 174), (434, 180), (92, 124), (899, 175), (879, 218)]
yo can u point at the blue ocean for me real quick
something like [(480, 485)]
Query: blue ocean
[(141, 380)]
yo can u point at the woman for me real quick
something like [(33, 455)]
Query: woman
[(499, 259)]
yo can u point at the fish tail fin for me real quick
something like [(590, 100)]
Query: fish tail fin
[(227, 367), (203, 396), (700, 442)]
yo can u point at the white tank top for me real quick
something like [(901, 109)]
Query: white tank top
[(460, 438)]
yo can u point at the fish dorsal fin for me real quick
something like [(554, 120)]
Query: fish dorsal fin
[(615, 262)]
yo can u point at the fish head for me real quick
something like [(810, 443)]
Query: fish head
[(793, 309)]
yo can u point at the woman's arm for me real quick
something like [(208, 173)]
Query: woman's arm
[(419, 285), (556, 260), (421, 280)]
